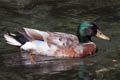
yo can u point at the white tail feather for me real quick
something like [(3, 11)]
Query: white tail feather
[(10, 40)]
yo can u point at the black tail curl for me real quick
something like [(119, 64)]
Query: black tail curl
[(19, 37)]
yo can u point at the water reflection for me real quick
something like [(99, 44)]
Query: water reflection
[(44, 64)]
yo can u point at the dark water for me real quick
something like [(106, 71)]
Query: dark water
[(62, 16)]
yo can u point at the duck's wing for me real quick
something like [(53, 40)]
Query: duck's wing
[(36, 34), (62, 40)]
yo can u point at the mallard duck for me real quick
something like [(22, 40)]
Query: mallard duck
[(57, 44)]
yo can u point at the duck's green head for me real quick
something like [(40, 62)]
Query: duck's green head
[(88, 29)]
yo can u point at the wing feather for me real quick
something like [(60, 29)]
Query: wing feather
[(36, 34)]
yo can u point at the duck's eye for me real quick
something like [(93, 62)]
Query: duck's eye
[(88, 31)]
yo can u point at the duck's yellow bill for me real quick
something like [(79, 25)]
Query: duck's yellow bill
[(101, 35)]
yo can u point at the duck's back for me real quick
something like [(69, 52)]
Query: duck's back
[(62, 40)]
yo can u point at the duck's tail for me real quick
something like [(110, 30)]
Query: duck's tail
[(16, 39)]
